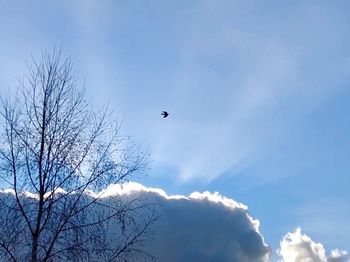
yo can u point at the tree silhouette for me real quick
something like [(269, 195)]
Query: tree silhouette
[(57, 155)]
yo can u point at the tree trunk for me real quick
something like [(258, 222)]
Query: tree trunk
[(35, 240)]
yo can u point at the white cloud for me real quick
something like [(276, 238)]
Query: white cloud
[(339, 256), (210, 227), (298, 247), (200, 227)]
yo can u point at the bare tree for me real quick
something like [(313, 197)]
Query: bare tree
[(57, 155)]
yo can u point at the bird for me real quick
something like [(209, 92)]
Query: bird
[(165, 114)]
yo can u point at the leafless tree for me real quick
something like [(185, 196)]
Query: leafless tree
[(58, 155)]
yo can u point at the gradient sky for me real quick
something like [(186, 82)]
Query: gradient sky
[(258, 94)]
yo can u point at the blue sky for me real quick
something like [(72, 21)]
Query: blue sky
[(258, 95)]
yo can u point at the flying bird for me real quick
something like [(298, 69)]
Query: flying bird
[(165, 114)]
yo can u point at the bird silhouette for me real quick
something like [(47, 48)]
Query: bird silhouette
[(165, 114)]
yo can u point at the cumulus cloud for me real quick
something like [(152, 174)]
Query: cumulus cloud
[(298, 247), (200, 227), (339, 256), (207, 227)]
